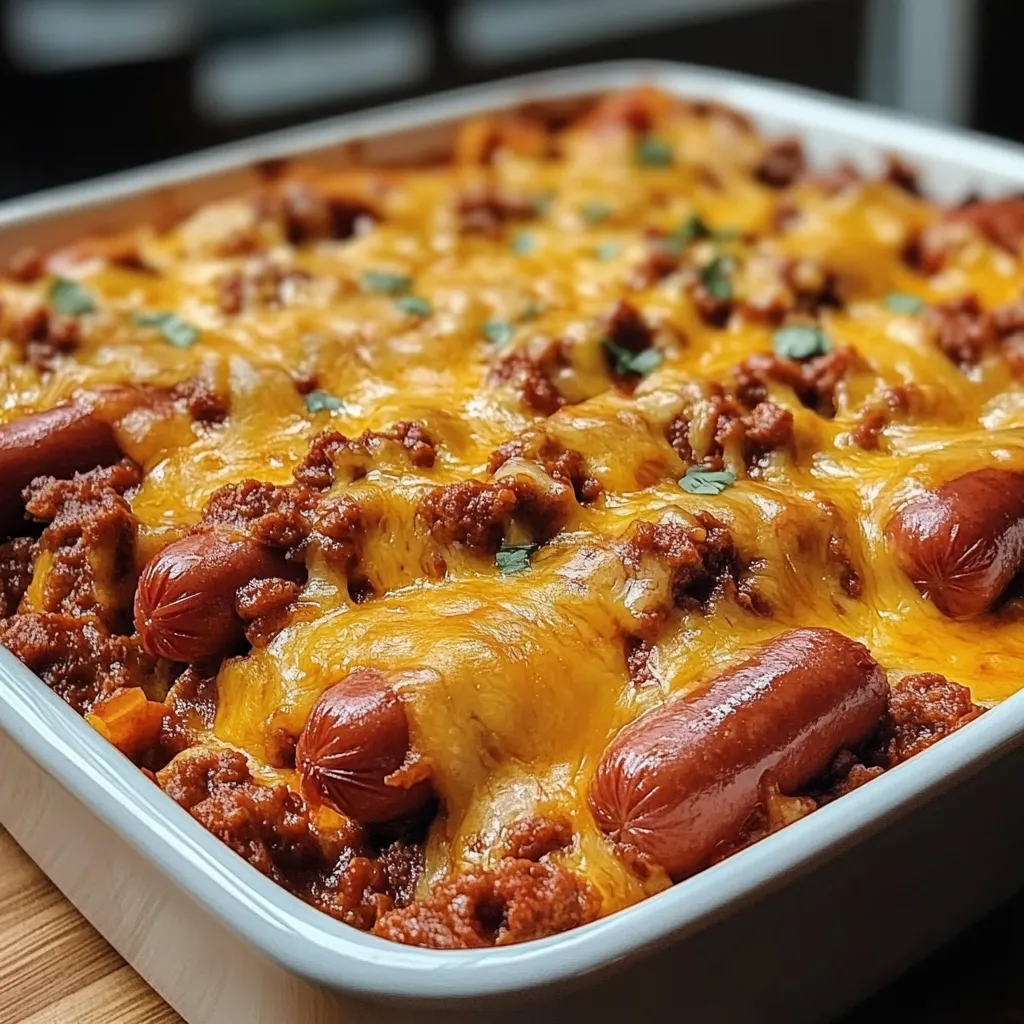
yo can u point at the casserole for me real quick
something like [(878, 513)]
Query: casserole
[(575, 955)]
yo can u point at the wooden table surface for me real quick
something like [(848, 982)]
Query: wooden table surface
[(55, 969)]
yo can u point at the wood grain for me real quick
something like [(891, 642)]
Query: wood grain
[(55, 969)]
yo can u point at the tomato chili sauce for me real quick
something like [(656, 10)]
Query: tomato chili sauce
[(479, 549)]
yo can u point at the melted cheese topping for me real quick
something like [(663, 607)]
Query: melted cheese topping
[(515, 683)]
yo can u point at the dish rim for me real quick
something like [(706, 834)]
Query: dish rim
[(308, 943)]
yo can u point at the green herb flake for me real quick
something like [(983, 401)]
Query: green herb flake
[(608, 251), (512, 558), (626, 362), (414, 306), (180, 333), (900, 302), (542, 203), (530, 311), (595, 211), (652, 152), (693, 228), (382, 283), (498, 332), (800, 341), (323, 401), (70, 298), (707, 481), (714, 276), (524, 243)]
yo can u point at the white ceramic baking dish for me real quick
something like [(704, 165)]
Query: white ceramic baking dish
[(796, 928)]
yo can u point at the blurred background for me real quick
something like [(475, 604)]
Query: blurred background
[(92, 86)]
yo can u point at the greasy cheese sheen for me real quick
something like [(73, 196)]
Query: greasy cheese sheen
[(514, 684)]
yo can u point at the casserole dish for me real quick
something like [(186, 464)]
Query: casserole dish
[(334, 973)]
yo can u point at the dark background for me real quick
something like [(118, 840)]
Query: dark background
[(91, 86)]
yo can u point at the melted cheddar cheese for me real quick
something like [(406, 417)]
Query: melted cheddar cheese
[(522, 246)]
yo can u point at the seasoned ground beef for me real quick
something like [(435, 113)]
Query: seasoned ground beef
[(962, 330), (485, 209), (878, 414), (922, 709), (722, 419), (329, 452), (782, 164), (413, 437), (529, 375), (814, 381), (563, 464), (293, 518), (626, 328), (205, 403), (534, 838), (714, 310), (76, 657), (264, 605), (191, 709), (43, 336), (517, 901), (333, 456), (88, 548), (470, 513), (16, 558), (310, 215), (660, 260), (638, 661), (702, 559), (270, 827), (274, 515)]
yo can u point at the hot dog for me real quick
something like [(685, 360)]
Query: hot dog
[(354, 742), (185, 603), (58, 442), (73, 437), (683, 778), (962, 544)]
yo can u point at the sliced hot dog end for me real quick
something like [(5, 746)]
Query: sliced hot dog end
[(354, 742), (185, 602), (962, 544)]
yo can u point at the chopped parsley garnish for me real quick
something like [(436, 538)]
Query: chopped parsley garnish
[(707, 481), (608, 251), (180, 333), (695, 229), (714, 276), (624, 361), (414, 305), (900, 302), (70, 298), (595, 211), (690, 230), (383, 283), (323, 401), (524, 243), (800, 341), (512, 558), (498, 332), (542, 203), (653, 152)]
